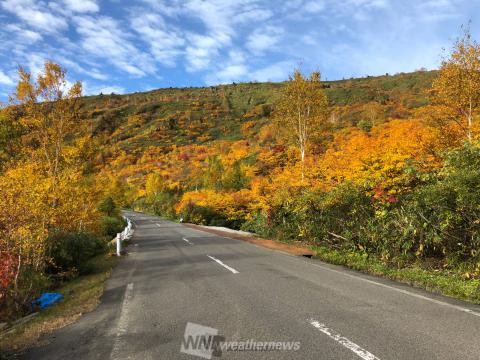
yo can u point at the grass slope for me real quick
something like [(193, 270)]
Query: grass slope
[(181, 116)]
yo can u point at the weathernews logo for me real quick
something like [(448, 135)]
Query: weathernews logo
[(204, 341)]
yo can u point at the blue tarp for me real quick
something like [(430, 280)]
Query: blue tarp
[(46, 299)]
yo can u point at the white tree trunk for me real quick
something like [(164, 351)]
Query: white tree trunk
[(469, 122)]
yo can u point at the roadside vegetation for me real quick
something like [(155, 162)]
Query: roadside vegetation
[(421, 274), (81, 295), (55, 215)]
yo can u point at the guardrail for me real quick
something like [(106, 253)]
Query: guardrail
[(124, 235)]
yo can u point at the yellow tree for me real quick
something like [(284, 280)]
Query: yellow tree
[(153, 185), (302, 111), (50, 113), (41, 186), (458, 83)]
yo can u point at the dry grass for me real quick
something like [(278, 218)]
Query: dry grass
[(81, 295)]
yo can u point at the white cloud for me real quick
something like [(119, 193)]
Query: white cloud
[(104, 89), (233, 69), (275, 72), (314, 6), (254, 13), (73, 65), (201, 50), (35, 14), (309, 39), (103, 37), (5, 79), (218, 16), (437, 10), (232, 72), (36, 62), (368, 3), (97, 75), (82, 6), (165, 43), (221, 18), (163, 7), (228, 74), (22, 34), (264, 39)]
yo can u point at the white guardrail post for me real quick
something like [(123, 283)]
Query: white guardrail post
[(119, 245), (124, 235)]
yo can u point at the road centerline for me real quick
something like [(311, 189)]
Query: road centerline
[(332, 334), (224, 265)]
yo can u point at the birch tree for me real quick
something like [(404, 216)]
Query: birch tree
[(458, 83), (50, 113), (302, 111)]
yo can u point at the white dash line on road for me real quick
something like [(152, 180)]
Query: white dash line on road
[(187, 241), (362, 353), (159, 225), (122, 325), (224, 265)]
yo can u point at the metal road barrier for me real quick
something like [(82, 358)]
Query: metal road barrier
[(124, 235)]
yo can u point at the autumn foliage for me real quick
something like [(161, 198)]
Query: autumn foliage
[(384, 166), (46, 188), (359, 164)]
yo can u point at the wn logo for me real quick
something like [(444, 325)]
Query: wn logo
[(201, 341)]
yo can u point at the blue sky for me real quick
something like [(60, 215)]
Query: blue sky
[(126, 46)]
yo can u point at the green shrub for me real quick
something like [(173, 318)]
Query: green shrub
[(344, 211), (162, 204), (203, 215), (108, 207), (324, 216), (70, 251), (365, 125), (16, 300), (235, 178), (444, 212), (258, 224), (111, 226)]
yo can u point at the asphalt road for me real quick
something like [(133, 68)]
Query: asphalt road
[(174, 275)]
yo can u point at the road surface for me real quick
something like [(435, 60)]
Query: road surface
[(174, 275)]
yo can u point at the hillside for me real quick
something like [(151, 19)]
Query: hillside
[(129, 126)]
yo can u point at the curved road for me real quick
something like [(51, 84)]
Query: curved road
[(176, 275)]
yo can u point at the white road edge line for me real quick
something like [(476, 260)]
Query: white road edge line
[(362, 353), (188, 241), (224, 265), (406, 292), (122, 324)]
